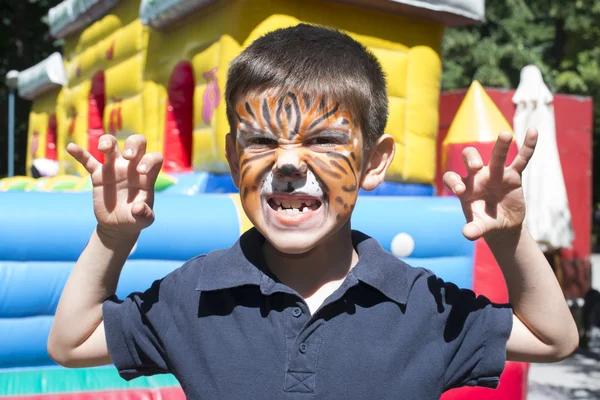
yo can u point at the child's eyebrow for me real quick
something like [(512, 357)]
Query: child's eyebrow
[(331, 132), (252, 132)]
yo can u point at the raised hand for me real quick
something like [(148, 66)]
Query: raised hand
[(492, 196), (123, 187)]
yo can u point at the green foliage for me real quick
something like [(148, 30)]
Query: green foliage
[(24, 41), (561, 37)]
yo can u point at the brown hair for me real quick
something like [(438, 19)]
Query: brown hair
[(314, 59)]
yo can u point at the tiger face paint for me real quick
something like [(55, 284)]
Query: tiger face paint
[(299, 165)]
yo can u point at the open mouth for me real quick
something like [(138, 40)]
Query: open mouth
[(293, 204)]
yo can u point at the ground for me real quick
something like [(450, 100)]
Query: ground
[(577, 377)]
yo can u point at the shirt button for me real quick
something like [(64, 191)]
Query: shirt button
[(296, 312), (303, 348)]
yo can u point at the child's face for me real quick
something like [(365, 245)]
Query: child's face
[(298, 166)]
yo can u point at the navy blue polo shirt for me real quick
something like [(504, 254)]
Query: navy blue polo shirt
[(227, 329)]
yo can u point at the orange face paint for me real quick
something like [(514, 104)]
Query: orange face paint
[(299, 157)]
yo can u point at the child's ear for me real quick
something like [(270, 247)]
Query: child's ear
[(232, 159), (379, 159)]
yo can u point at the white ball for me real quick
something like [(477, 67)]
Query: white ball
[(403, 245)]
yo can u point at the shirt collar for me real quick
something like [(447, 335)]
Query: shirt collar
[(380, 269), (237, 266), (243, 264)]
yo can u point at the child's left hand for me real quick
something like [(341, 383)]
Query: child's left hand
[(492, 196)]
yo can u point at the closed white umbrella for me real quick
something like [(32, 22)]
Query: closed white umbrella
[(548, 215)]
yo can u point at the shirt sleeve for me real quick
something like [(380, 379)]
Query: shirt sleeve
[(473, 335), (136, 327)]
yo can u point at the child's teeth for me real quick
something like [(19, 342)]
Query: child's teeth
[(294, 206)]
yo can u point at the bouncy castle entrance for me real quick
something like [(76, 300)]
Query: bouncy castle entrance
[(179, 121), (51, 138), (96, 103)]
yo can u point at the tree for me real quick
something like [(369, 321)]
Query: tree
[(561, 38), (25, 42)]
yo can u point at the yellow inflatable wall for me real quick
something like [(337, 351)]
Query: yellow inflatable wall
[(115, 47), (409, 51), (136, 65)]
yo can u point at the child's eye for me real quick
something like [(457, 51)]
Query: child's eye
[(263, 141), (325, 141), (258, 144), (322, 140)]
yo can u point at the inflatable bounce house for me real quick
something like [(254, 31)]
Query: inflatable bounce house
[(158, 68)]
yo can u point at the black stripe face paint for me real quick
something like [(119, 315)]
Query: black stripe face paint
[(306, 133)]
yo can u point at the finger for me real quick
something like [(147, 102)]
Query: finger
[(149, 168), (499, 154), (133, 151), (135, 147), (108, 145), (83, 157), (472, 160), (526, 151), (473, 164), (472, 230), (454, 182), (142, 213)]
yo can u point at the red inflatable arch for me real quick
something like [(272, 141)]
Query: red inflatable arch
[(51, 138), (179, 121), (96, 103)]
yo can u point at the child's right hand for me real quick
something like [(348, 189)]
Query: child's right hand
[(123, 186)]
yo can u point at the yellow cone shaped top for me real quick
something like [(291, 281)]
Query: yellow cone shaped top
[(478, 119)]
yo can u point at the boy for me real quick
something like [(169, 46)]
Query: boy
[(302, 306)]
